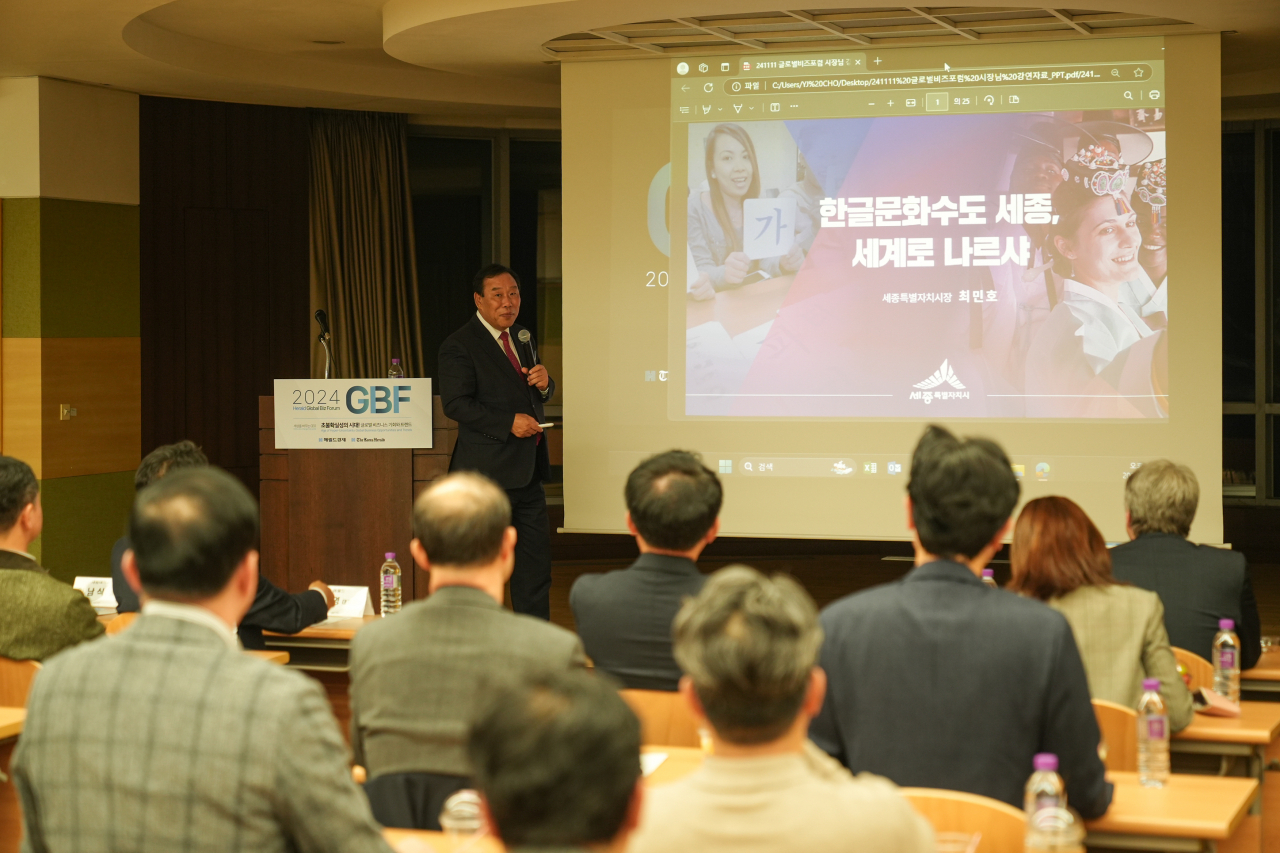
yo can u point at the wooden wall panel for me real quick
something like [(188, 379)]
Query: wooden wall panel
[(99, 377), (22, 395), (225, 271)]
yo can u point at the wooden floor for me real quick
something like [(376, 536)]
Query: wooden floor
[(828, 577)]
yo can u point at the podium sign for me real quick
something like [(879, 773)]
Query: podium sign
[(352, 413)]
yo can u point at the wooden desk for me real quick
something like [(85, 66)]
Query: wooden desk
[(1189, 813), (320, 648), (1247, 736), (741, 308), (1265, 677), (269, 655), (11, 720)]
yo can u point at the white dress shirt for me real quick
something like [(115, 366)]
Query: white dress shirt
[(195, 615)]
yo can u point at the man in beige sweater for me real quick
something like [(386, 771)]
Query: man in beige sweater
[(748, 646)]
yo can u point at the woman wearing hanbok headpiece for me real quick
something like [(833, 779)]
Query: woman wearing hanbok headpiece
[(1094, 355)]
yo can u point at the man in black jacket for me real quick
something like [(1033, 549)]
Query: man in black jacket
[(492, 386), (624, 617), (936, 681), (1198, 584), (273, 609)]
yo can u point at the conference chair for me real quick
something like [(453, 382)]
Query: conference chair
[(1119, 726), (118, 624), (969, 823), (1200, 670), (665, 718), (15, 681)]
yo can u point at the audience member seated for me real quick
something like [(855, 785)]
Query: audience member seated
[(749, 646), (624, 617), (1199, 584), (937, 681), (168, 737), (557, 762), (38, 614), (415, 677), (273, 609), (1060, 558)]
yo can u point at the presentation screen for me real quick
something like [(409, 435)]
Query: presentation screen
[(792, 262)]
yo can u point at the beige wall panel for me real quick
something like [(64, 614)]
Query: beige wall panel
[(102, 379), (20, 137), (88, 143), (20, 428)]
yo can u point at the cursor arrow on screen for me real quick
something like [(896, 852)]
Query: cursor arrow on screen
[(946, 67)]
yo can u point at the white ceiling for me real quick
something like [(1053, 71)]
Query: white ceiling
[(447, 61)]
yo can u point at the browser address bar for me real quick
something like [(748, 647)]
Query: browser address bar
[(1097, 73)]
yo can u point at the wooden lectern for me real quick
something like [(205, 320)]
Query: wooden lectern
[(332, 515)]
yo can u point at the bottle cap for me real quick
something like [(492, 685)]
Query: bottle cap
[(1226, 625), (1150, 684), (391, 555), (1045, 761), (988, 573), (395, 361)]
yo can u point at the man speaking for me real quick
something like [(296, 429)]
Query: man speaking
[(491, 386)]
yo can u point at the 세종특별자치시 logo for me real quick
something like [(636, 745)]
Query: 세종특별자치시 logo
[(944, 375)]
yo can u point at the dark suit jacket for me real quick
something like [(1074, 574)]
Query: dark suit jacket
[(624, 618), (418, 677), (482, 392), (936, 681), (1199, 585), (273, 609)]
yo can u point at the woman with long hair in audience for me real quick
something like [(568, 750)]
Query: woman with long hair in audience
[(1060, 558)]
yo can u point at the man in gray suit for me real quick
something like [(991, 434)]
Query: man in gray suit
[(169, 737), (416, 675)]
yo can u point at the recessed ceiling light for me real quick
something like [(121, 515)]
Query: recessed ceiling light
[(323, 41)]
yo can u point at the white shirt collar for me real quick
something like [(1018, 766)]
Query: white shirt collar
[(196, 616), (496, 332), (1130, 316), (23, 553)]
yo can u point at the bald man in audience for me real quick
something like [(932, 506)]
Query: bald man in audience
[(557, 763), (749, 647), (39, 615), (169, 737), (415, 677)]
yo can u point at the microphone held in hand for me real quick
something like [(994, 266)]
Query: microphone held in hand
[(526, 341), (323, 319)]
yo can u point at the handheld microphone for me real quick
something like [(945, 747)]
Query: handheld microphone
[(323, 319), (526, 340)]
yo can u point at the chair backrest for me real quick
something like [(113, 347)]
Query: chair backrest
[(118, 624), (15, 681), (1200, 670), (1119, 727), (665, 718), (969, 823)]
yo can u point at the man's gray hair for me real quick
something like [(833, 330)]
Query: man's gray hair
[(460, 520), (749, 643), (1161, 497)]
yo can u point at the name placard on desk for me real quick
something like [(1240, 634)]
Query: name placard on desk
[(350, 602), (352, 413), (99, 591)]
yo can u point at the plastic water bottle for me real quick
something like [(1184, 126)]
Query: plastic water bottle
[(1226, 661), (461, 815), (989, 578), (1153, 736), (396, 371), (390, 585), (1051, 826)]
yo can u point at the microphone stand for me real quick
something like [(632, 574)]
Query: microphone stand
[(323, 337)]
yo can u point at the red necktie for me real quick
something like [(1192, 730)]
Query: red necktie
[(515, 362)]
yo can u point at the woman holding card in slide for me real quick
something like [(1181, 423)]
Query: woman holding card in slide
[(716, 217), (1093, 356)]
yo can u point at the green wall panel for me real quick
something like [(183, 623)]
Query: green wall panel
[(21, 267), (83, 517), (89, 260)]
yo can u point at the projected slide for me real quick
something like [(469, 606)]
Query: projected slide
[(995, 265)]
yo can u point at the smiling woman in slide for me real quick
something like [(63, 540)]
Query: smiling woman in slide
[(715, 216), (1093, 354)]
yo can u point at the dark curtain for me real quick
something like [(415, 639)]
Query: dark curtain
[(363, 263)]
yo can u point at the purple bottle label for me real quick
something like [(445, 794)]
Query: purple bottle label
[(1227, 658), (1156, 728), (389, 581)]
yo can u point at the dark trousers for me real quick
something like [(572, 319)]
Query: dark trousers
[(531, 581), (411, 800)]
